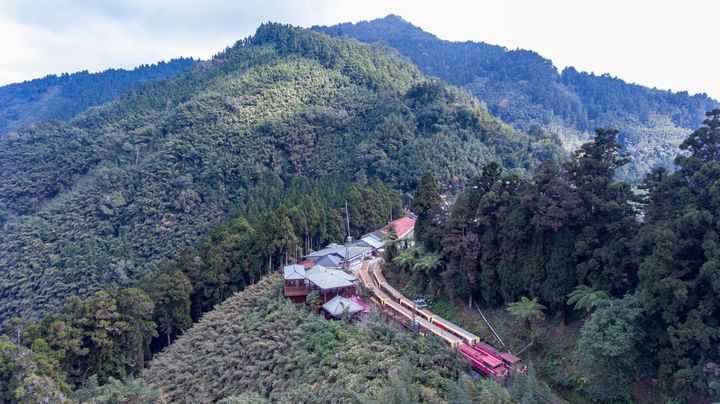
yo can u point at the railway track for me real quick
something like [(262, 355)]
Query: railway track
[(481, 355)]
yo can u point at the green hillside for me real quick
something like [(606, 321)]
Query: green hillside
[(63, 97), (257, 341), (526, 90), (109, 195)]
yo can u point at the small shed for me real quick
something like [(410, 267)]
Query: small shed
[(339, 305)]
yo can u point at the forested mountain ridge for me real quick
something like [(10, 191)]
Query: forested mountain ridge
[(526, 90), (62, 97), (109, 195)]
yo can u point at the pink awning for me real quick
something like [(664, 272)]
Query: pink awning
[(360, 303)]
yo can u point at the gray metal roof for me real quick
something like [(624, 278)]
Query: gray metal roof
[(340, 250), (294, 272), (338, 305), (330, 260), (320, 269), (372, 241), (330, 279)]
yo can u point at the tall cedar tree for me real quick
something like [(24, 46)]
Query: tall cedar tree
[(602, 246), (680, 270), (426, 203)]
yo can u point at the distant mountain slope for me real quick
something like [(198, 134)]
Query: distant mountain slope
[(109, 195), (62, 97), (526, 90), (257, 341)]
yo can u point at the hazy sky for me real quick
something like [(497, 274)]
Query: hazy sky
[(660, 43)]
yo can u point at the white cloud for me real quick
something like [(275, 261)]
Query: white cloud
[(656, 43)]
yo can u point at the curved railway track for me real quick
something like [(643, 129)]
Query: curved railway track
[(482, 356)]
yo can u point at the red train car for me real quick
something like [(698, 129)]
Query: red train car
[(484, 363), (510, 360)]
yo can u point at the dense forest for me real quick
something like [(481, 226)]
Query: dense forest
[(641, 265), (63, 97), (527, 91), (109, 195), (112, 334), (140, 240)]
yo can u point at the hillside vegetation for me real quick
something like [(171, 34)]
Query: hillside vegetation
[(63, 97), (527, 91), (111, 194), (85, 348), (257, 341), (642, 269)]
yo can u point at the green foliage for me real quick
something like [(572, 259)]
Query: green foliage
[(527, 310), (391, 244), (679, 281), (526, 90), (170, 291), (29, 376), (609, 349), (62, 97), (245, 398), (111, 334), (401, 389), (485, 391), (405, 260), (313, 300), (114, 193), (525, 388), (586, 298), (426, 269), (426, 203), (116, 392), (371, 206), (572, 231), (256, 341), (506, 236)]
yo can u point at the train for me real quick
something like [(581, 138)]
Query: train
[(483, 357)]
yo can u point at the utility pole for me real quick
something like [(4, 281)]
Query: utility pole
[(348, 240)]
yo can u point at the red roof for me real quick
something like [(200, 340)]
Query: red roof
[(489, 349), (402, 226), (479, 356), (509, 358), (492, 361), (307, 264)]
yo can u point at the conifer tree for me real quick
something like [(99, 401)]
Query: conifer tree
[(426, 203)]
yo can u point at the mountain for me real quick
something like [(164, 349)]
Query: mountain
[(63, 97), (526, 90), (109, 195), (257, 342)]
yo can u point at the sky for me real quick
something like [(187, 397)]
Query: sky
[(661, 43)]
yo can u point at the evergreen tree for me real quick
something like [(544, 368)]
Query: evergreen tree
[(460, 247), (171, 292), (703, 143), (426, 203), (608, 348), (524, 388), (679, 274), (602, 248)]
